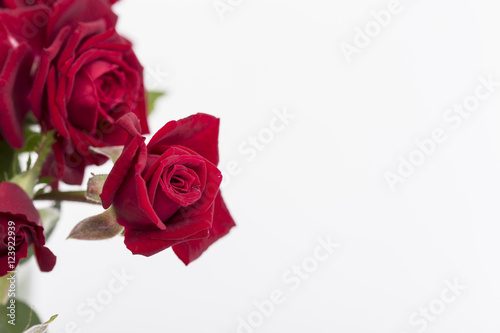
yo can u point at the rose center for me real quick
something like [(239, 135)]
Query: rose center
[(110, 86), (181, 184)]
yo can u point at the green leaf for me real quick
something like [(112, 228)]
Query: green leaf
[(42, 328), (30, 119), (24, 317), (8, 161), (28, 164), (32, 141), (28, 179), (98, 227), (46, 180), (4, 289), (152, 97), (94, 188)]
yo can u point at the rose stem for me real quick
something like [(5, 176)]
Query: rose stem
[(75, 196)]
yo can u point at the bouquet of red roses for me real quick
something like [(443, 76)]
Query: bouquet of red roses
[(72, 96)]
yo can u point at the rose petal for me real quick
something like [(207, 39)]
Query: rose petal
[(28, 224), (148, 243), (73, 12), (45, 258), (21, 252), (222, 224), (84, 103), (163, 206), (28, 31), (15, 83), (38, 90), (199, 132), (15, 201), (140, 244)]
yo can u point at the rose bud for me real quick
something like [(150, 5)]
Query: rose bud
[(20, 227), (167, 193), (87, 78)]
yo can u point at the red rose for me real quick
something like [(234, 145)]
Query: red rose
[(16, 59), (88, 77), (167, 193), (20, 224)]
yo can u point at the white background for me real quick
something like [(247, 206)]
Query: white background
[(322, 176)]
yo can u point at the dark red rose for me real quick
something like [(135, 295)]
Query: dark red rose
[(20, 224), (167, 193), (88, 77), (16, 59)]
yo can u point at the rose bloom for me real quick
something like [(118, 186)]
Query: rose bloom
[(87, 77), (20, 227), (166, 194), (17, 51)]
